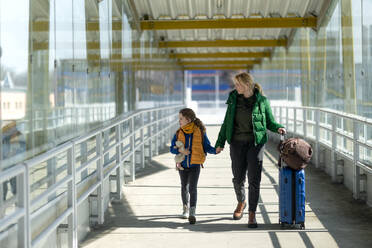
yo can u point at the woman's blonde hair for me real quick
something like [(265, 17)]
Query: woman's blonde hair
[(247, 78)]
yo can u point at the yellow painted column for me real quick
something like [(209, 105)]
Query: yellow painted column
[(93, 43), (348, 57)]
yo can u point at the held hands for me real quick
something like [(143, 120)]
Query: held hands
[(282, 130), (218, 150)]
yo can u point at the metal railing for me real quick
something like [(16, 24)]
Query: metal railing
[(346, 136), (51, 186)]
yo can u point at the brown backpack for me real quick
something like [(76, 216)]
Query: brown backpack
[(295, 152)]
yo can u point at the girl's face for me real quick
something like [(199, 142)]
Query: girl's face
[(241, 87), (183, 120)]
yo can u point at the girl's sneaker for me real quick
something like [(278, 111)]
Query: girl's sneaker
[(185, 212), (192, 218)]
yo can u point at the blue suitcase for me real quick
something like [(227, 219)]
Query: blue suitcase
[(291, 197)]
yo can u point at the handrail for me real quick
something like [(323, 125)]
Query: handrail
[(344, 141), (34, 201)]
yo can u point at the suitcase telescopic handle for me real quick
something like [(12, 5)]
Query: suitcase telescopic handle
[(282, 138)]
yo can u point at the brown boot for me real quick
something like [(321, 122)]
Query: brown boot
[(252, 223), (238, 213)]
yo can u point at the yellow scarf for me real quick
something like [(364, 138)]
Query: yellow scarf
[(197, 151), (188, 128)]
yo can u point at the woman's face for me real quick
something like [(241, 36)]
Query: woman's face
[(183, 120), (241, 87)]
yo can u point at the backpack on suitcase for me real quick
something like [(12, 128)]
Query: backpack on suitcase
[(291, 194), (295, 152)]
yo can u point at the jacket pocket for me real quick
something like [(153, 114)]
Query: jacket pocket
[(257, 117), (258, 126)]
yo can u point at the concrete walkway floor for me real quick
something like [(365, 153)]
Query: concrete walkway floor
[(148, 215)]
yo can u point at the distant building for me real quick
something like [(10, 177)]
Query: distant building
[(12, 100)]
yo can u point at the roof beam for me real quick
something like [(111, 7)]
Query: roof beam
[(270, 22), (94, 45), (221, 62), (220, 55), (218, 68), (224, 43)]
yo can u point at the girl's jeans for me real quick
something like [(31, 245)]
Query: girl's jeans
[(189, 183)]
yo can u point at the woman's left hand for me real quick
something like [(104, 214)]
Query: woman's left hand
[(282, 130)]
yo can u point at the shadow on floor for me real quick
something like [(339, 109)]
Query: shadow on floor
[(346, 220)]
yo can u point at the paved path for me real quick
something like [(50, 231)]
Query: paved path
[(148, 214)]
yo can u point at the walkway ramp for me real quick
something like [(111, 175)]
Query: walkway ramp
[(148, 215)]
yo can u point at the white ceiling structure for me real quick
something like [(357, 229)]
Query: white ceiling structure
[(198, 33), (238, 27)]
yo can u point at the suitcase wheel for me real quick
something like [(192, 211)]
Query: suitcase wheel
[(302, 225)]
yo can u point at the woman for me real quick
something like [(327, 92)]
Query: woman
[(248, 115)]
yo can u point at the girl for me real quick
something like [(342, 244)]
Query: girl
[(192, 134), (248, 115)]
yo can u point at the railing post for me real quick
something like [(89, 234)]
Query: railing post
[(280, 115), (157, 132), (133, 140), (71, 199), (142, 144), (24, 233), (51, 170), (149, 133), (334, 147), (304, 118), (286, 119), (317, 136), (100, 197), (294, 120), (119, 162), (356, 169), (161, 125)]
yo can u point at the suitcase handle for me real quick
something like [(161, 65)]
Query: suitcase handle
[(282, 138)]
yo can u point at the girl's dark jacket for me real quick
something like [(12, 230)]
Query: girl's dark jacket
[(262, 119)]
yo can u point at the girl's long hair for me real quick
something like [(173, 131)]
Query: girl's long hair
[(190, 115), (247, 78)]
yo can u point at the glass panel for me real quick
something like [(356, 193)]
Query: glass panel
[(14, 57), (363, 73)]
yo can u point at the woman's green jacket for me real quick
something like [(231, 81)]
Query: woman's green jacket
[(262, 119)]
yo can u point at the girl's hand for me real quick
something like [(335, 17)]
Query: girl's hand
[(282, 130), (185, 152), (218, 150)]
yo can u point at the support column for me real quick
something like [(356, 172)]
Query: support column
[(305, 66), (117, 45), (93, 46), (348, 57), (350, 83), (282, 69), (37, 97), (321, 67)]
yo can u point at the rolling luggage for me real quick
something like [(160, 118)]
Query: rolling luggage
[(291, 195)]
